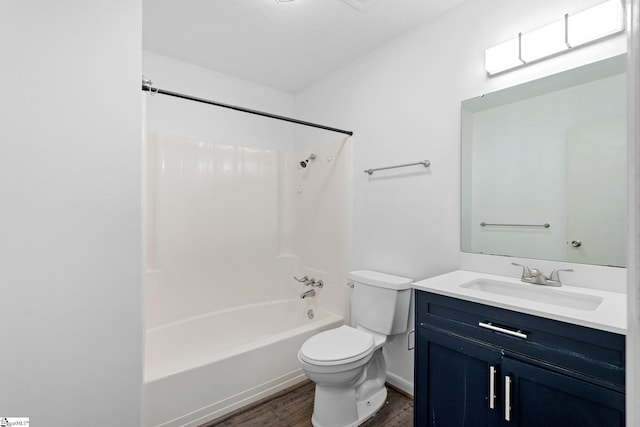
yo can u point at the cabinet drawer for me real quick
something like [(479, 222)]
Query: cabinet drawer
[(593, 353)]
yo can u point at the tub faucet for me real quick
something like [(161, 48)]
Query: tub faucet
[(306, 280), (310, 281), (309, 293)]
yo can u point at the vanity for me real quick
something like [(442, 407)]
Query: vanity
[(493, 351), (543, 178)]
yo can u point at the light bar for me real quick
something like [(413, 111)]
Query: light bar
[(573, 30)]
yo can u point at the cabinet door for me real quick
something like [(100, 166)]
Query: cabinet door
[(541, 397), (453, 381)]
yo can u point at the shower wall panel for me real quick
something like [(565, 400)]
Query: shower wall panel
[(212, 224), (320, 201)]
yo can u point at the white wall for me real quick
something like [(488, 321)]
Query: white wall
[(70, 222), (403, 102)]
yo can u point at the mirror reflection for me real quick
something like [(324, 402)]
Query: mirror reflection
[(544, 168)]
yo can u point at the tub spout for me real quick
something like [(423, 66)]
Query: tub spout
[(309, 293)]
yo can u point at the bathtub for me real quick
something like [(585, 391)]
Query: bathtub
[(204, 367)]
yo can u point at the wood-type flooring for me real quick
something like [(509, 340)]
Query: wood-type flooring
[(294, 409)]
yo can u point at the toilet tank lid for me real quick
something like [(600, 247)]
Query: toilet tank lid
[(382, 280)]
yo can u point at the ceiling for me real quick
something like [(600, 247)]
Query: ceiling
[(283, 45)]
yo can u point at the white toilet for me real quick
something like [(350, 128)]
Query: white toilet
[(346, 363)]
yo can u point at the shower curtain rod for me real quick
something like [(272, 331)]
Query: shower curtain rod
[(147, 86)]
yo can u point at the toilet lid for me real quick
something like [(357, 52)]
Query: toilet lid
[(340, 345)]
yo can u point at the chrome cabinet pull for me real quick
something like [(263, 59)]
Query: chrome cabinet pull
[(492, 327), (492, 387), (507, 398)]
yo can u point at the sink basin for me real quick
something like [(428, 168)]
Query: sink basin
[(536, 293)]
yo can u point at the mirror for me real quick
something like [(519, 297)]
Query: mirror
[(544, 168)]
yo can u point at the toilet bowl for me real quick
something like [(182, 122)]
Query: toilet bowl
[(346, 363)]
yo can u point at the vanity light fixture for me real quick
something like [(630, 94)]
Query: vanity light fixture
[(572, 31), (543, 42)]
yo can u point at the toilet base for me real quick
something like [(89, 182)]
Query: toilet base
[(348, 404), (365, 409)]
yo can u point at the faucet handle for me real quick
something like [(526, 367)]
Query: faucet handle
[(555, 274), (305, 279), (526, 273), (314, 283)]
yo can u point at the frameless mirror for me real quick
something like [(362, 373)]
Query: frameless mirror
[(544, 168)]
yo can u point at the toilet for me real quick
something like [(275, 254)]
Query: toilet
[(346, 363)]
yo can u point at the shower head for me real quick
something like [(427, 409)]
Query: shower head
[(304, 163)]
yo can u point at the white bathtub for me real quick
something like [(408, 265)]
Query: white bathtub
[(206, 366)]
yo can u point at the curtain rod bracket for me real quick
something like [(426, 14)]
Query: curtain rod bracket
[(147, 85)]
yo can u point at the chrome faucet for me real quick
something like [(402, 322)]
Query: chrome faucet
[(536, 277), (309, 293), (304, 280), (315, 283), (310, 282), (554, 279)]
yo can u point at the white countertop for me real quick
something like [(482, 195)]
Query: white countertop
[(610, 315)]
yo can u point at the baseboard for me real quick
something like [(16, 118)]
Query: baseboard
[(400, 384)]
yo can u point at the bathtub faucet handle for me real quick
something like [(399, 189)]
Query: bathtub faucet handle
[(314, 283), (310, 282)]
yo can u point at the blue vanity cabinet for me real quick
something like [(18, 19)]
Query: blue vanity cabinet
[(454, 386), (541, 397), (516, 370)]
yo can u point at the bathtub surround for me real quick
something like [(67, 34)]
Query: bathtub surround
[(231, 217), (227, 229), (403, 102), (313, 211), (230, 226), (70, 222)]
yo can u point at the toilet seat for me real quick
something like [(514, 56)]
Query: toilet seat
[(337, 347)]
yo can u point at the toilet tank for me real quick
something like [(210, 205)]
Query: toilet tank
[(380, 302)]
